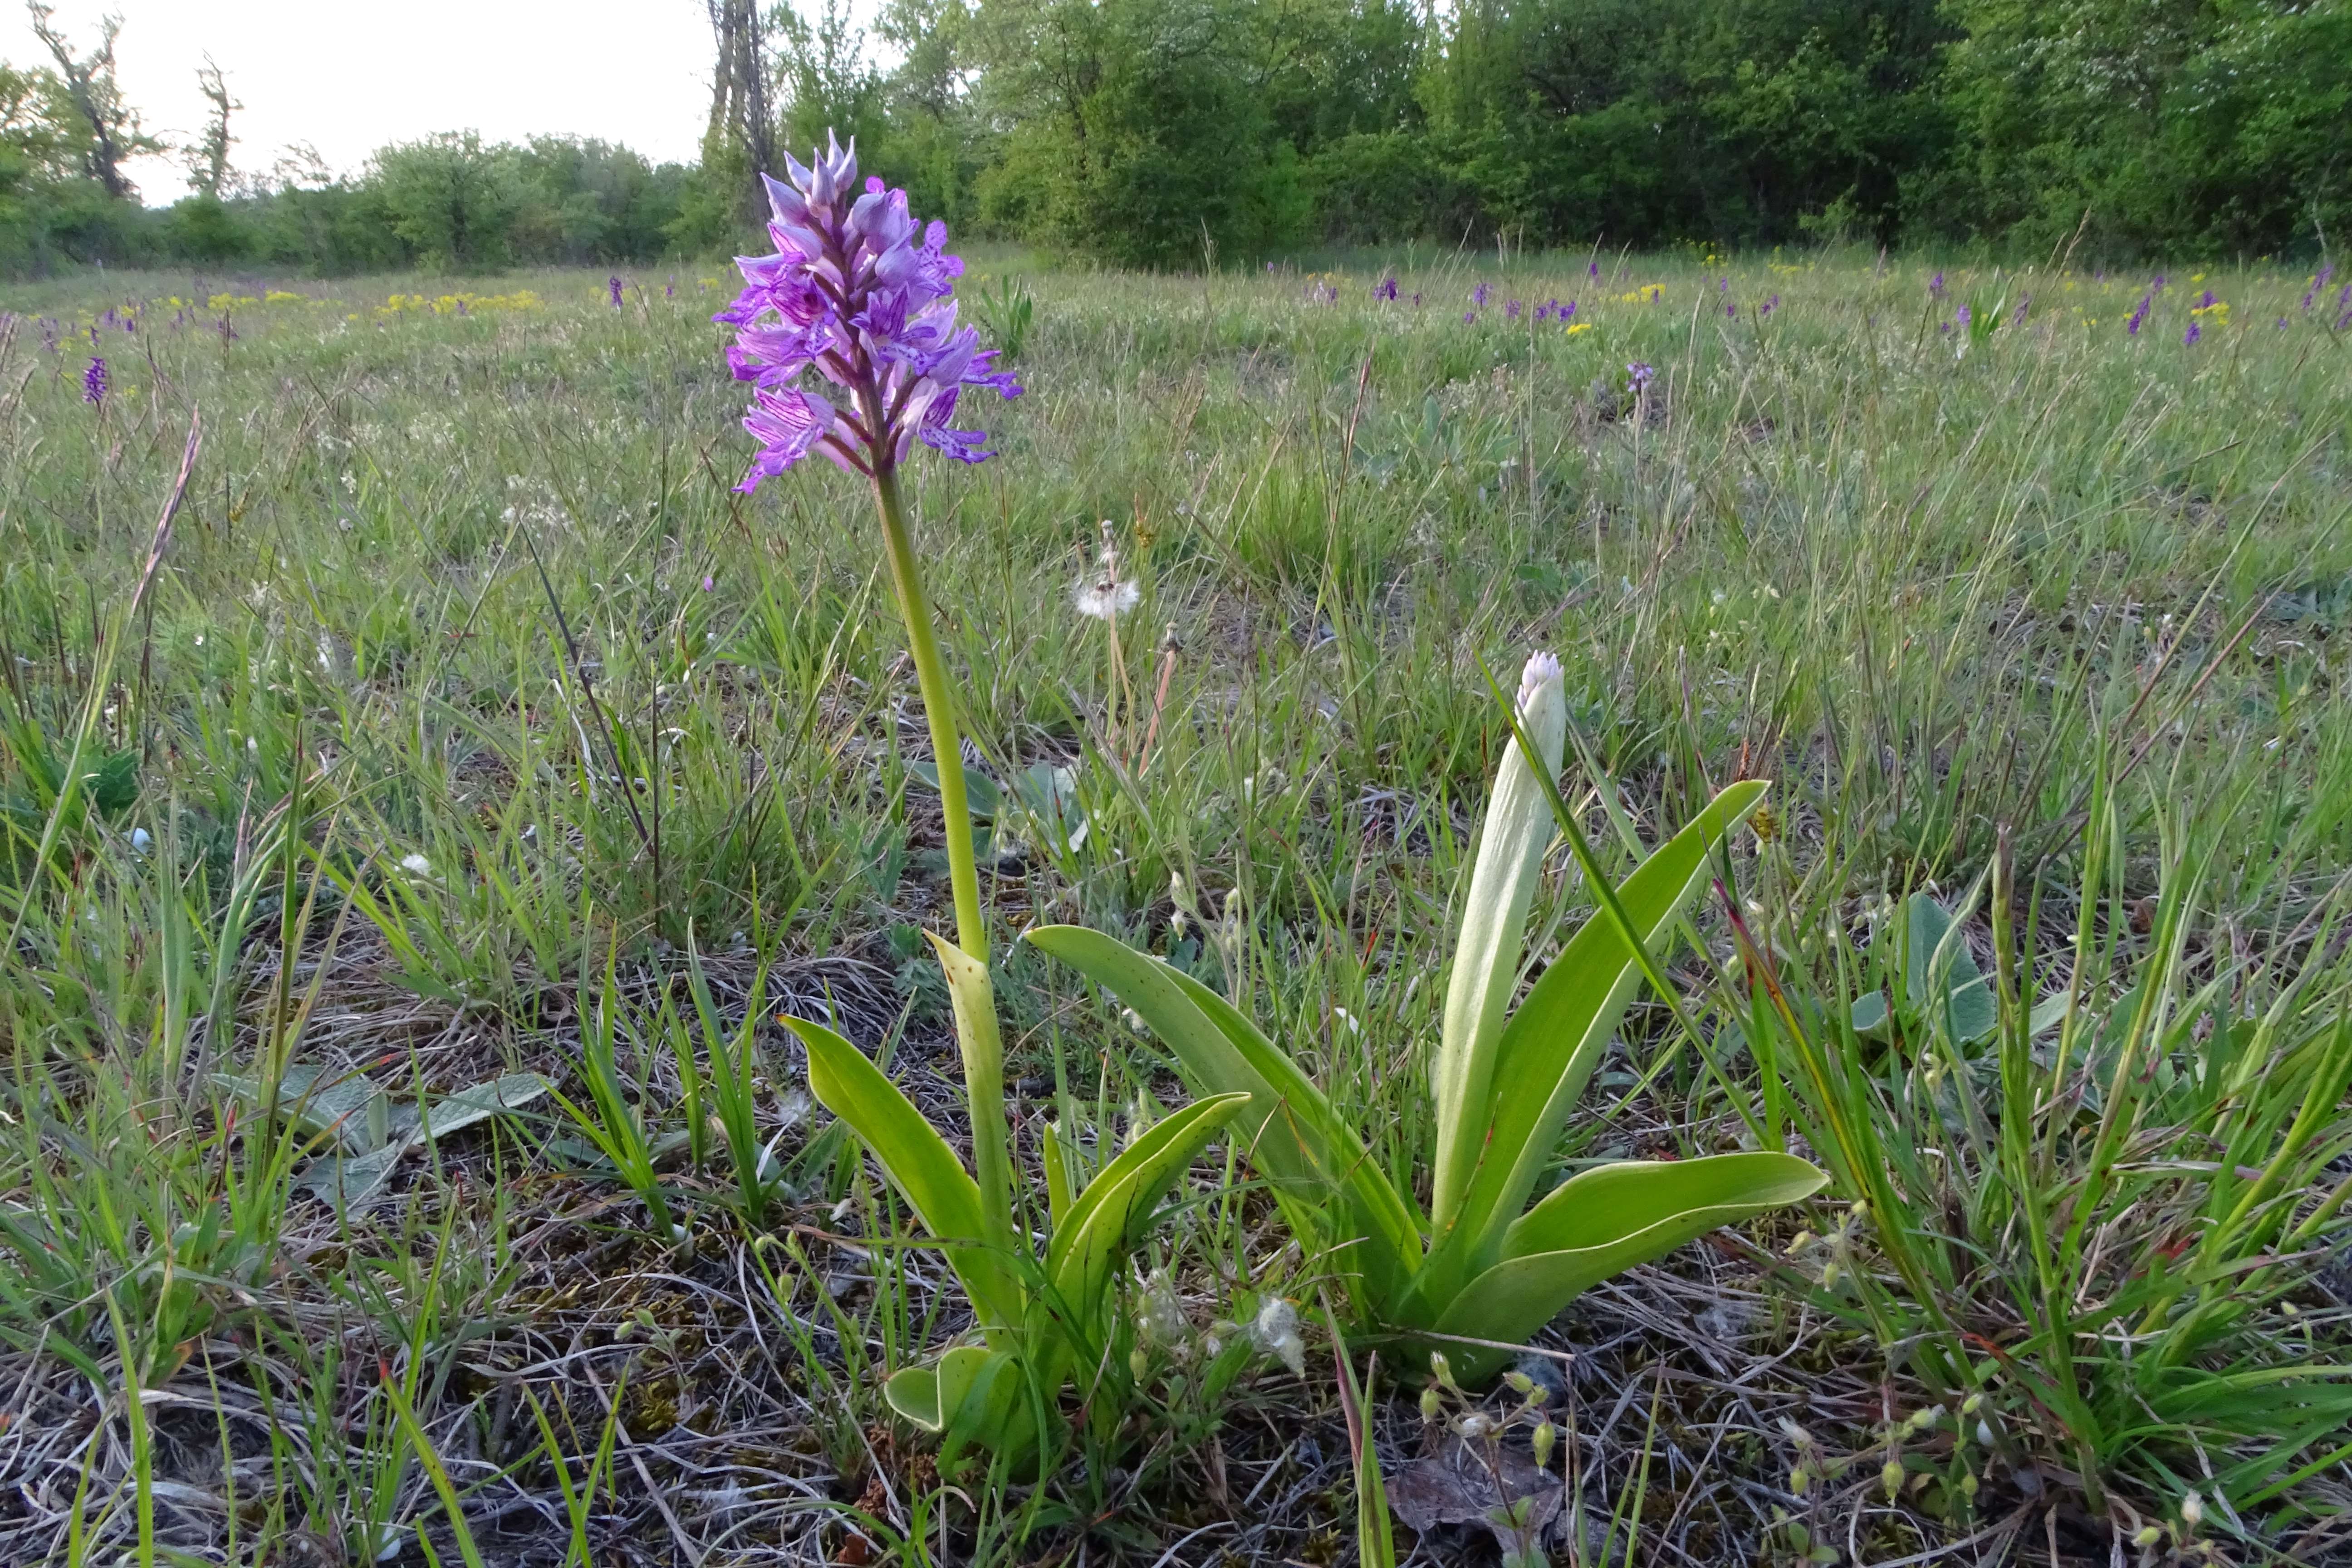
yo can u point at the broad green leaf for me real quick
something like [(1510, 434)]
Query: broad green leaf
[(980, 793), (1289, 1128), (2048, 1013), (350, 1180), (1603, 1221), (347, 1181), (1109, 1218), (1870, 1015), (1551, 1045), (1492, 934), (1049, 793), (1941, 981), (919, 1161), (930, 1396), (974, 1396), (453, 1112), (315, 1101)]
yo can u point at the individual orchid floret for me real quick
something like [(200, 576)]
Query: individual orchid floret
[(859, 295)]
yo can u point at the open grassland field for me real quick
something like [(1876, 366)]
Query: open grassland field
[(400, 1159)]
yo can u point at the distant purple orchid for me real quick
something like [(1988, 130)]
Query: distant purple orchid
[(1638, 376), (1936, 286), (2139, 316), (1511, 310), (1769, 306), (1592, 269), (1963, 317), (1385, 290), (1731, 309), (614, 283), (1567, 312), (2205, 301), (2194, 332), (850, 294), (1480, 295), (93, 382)]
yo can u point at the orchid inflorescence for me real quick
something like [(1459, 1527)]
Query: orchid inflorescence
[(850, 294)]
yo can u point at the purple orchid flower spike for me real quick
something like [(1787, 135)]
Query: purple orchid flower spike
[(859, 294)]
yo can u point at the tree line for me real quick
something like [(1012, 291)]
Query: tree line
[(1191, 133)]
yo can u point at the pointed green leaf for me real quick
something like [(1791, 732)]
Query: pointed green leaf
[(917, 1159), (1603, 1221), (1290, 1130), (1551, 1045), (1109, 1218), (1057, 1175)]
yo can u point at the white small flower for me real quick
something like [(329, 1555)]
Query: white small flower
[(416, 865), (140, 841), (2192, 1510)]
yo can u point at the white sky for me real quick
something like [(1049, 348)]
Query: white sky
[(349, 77)]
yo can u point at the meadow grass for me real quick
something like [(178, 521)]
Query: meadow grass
[(473, 732)]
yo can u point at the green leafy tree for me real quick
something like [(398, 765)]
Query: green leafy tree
[(449, 198), (1140, 131)]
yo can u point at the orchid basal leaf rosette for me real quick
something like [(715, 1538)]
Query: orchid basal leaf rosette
[(853, 300), (861, 295)]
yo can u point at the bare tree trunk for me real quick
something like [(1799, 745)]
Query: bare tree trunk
[(210, 169), (739, 105), (114, 133)]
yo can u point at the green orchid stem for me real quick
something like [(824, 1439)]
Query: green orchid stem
[(939, 709), (967, 962)]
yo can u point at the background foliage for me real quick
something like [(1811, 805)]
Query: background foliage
[(1169, 132)]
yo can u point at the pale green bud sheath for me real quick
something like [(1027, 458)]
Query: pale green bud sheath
[(1503, 881), (975, 1002)]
